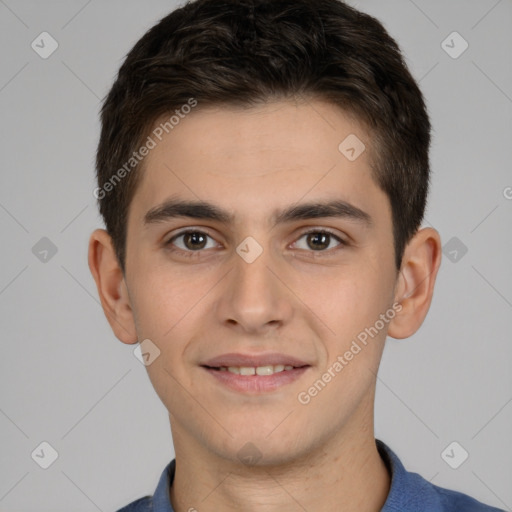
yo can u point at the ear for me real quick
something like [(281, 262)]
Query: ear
[(111, 286), (415, 283)]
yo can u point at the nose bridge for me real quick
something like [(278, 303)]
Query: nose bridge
[(254, 297), (252, 268)]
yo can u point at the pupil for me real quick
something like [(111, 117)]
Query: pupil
[(316, 236), (194, 239)]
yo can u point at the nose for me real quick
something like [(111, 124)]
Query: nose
[(254, 298)]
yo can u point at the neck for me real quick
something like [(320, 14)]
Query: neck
[(344, 474)]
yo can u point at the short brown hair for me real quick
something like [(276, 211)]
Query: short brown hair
[(245, 52)]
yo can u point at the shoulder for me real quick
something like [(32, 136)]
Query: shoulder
[(141, 505), (159, 501), (453, 501), (410, 491), (447, 500)]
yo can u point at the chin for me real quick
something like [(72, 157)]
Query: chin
[(260, 450)]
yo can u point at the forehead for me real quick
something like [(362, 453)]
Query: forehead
[(260, 157)]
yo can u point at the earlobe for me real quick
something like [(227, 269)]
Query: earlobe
[(111, 286), (415, 282)]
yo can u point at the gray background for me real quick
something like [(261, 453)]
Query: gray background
[(66, 380)]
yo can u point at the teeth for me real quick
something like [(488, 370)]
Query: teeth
[(259, 370), (265, 370)]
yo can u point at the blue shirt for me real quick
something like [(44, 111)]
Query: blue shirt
[(409, 492)]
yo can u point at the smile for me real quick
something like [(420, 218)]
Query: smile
[(255, 370), (256, 380)]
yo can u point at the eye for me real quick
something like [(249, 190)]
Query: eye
[(192, 241), (319, 240)]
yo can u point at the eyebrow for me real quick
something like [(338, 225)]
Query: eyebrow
[(203, 210)]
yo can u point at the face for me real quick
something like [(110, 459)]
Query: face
[(258, 278)]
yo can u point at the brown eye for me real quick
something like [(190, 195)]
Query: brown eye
[(194, 240), (190, 241), (319, 240)]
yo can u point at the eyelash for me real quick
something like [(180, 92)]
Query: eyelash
[(191, 254)]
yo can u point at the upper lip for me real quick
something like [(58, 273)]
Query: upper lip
[(269, 359)]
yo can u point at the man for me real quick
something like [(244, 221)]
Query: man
[(263, 171)]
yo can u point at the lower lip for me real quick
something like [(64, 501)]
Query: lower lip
[(257, 383)]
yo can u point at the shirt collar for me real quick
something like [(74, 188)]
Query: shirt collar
[(161, 499)]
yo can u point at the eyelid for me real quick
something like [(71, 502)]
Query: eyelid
[(318, 229), (203, 231)]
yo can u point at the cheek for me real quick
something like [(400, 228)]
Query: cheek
[(347, 300), (167, 306), (161, 299)]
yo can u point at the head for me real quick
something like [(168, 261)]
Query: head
[(251, 52), (244, 109)]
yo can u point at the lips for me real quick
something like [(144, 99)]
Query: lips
[(255, 374), (254, 361)]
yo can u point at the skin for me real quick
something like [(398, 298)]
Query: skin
[(294, 299)]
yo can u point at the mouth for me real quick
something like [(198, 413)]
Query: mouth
[(254, 370), (255, 374)]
